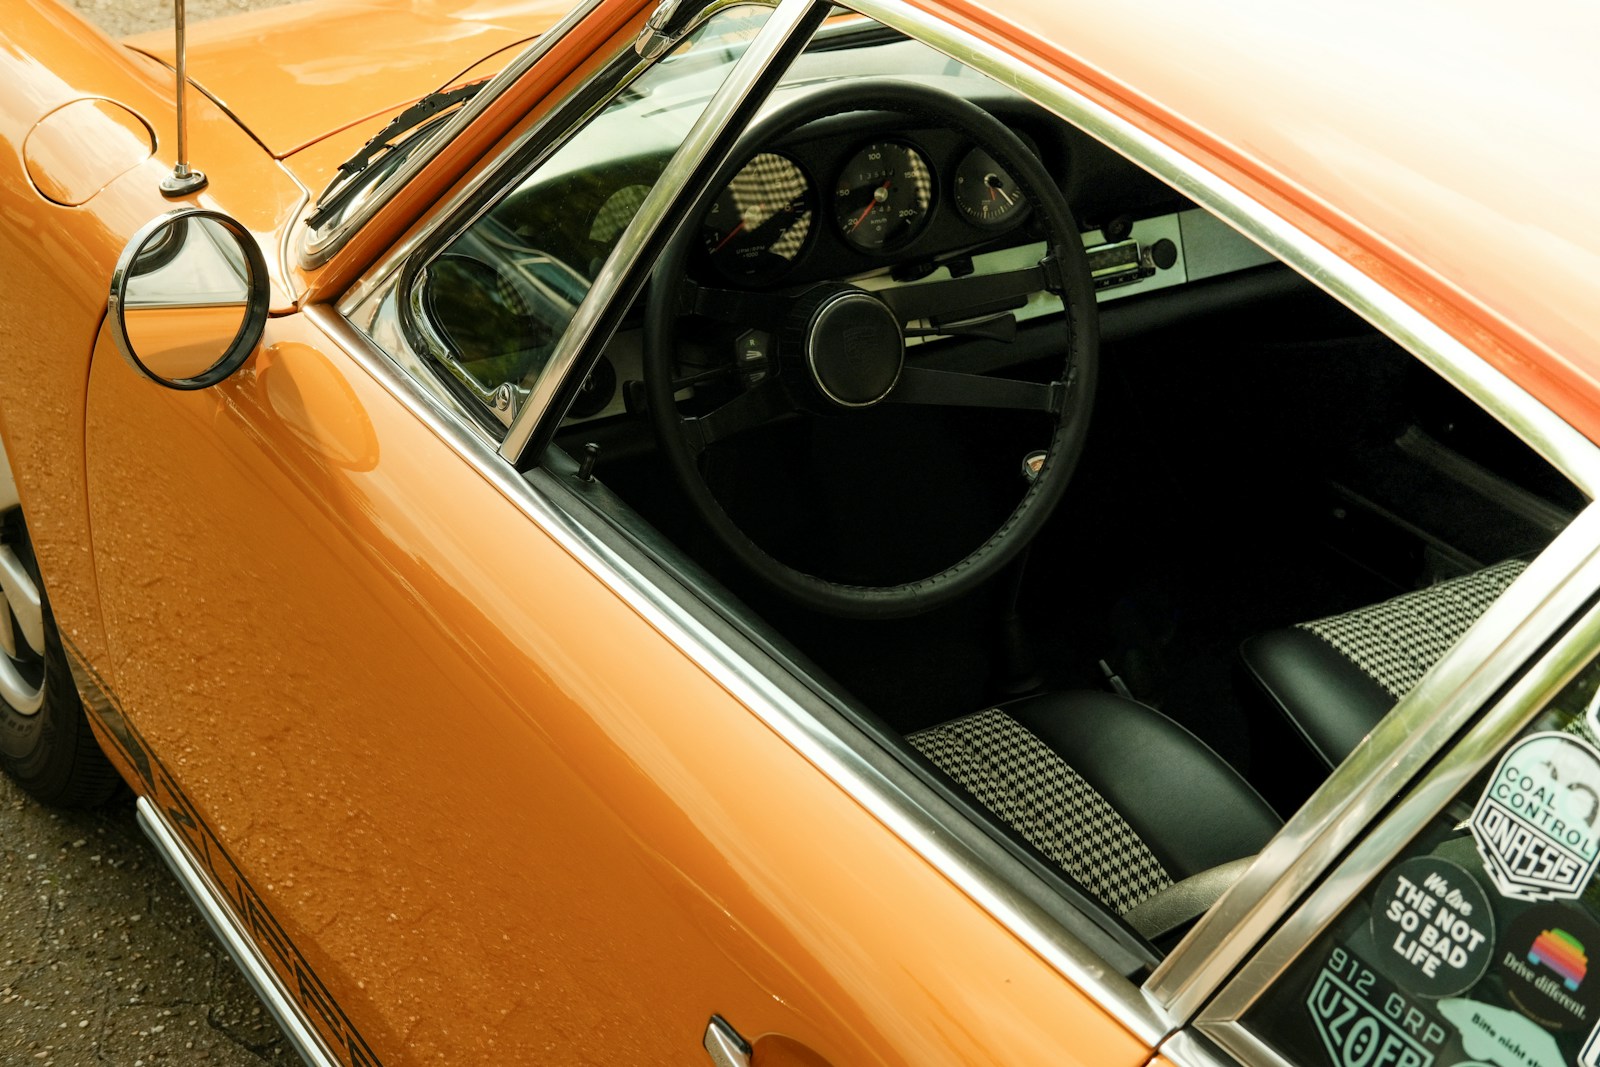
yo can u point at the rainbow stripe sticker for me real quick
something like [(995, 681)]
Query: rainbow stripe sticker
[(1563, 954)]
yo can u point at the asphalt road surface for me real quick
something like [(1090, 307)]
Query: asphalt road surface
[(104, 962)]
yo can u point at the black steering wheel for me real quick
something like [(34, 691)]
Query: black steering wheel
[(841, 351)]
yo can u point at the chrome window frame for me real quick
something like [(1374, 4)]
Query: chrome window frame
[(1532, 611), (317, 247)]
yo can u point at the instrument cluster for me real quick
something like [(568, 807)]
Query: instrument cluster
[(882, 199)]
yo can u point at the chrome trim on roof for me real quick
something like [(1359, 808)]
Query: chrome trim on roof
[(1483, 744), (317, 248), (1564, 447), (296, 1025)]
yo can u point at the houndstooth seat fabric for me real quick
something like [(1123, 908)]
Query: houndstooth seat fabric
[(1037, 794), (1091, 782), (1395, 642), (1333, 679)]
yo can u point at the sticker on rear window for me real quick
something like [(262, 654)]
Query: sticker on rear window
[(1501, 1036), (1535, 825), (1434, 926), (1544, 963), (1364, 1021)]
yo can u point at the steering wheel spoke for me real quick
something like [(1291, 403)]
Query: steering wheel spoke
[(752, 408), (978, 296), (943, 388), (762, 311)]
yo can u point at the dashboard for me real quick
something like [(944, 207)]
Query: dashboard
[(848, 203), (873, 198)]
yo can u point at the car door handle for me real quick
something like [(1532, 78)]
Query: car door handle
[(726, 1047)]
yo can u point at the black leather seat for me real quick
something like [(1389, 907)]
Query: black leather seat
[(1333, 679), (1120, 797)]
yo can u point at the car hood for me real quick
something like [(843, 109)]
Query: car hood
[(294, 75)]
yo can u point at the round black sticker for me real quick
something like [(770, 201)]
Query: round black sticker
[(1433, 927), (1544, 961)]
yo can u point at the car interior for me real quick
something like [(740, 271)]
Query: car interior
[(1221, 523)]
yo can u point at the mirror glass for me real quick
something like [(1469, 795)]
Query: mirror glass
[(191, 299)]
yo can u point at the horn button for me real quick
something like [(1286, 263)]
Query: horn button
[(854, 348)]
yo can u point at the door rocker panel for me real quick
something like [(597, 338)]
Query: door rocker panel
[(310, 1018)]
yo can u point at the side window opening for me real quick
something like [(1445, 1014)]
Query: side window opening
[(1260, 461), (1262, 489)]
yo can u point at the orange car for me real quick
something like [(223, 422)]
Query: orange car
[(597, 550)]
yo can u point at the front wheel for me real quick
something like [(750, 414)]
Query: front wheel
[(45, 741)]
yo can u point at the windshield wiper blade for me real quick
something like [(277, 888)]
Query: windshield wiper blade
[(383, 142)]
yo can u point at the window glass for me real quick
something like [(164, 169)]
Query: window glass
[(1477, 945), (492, 306)]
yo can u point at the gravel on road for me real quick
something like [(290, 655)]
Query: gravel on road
[(104, 959), (119, 18)]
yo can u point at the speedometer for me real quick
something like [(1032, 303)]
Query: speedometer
[(883, 195), (760, 221)]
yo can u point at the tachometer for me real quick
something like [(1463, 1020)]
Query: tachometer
[(760, 222), (883, 196)]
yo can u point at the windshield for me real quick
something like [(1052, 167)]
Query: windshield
[(496, 301)]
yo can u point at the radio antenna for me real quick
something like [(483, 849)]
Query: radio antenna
[(184, 179)]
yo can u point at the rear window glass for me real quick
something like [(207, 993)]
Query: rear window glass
[(1479, 944)]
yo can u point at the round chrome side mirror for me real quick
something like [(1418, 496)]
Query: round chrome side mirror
[(189, 298)]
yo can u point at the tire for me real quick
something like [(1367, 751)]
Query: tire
[(46, 745)]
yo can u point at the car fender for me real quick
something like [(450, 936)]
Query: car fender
[(56, 258), (296, 74)]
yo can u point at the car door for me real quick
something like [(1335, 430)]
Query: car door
[(471, 788)]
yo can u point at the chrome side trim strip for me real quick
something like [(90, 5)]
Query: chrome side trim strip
[(316, 249), (1564, 447), (904, 815), (729, 101), (1483, 744), (231, 933)]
